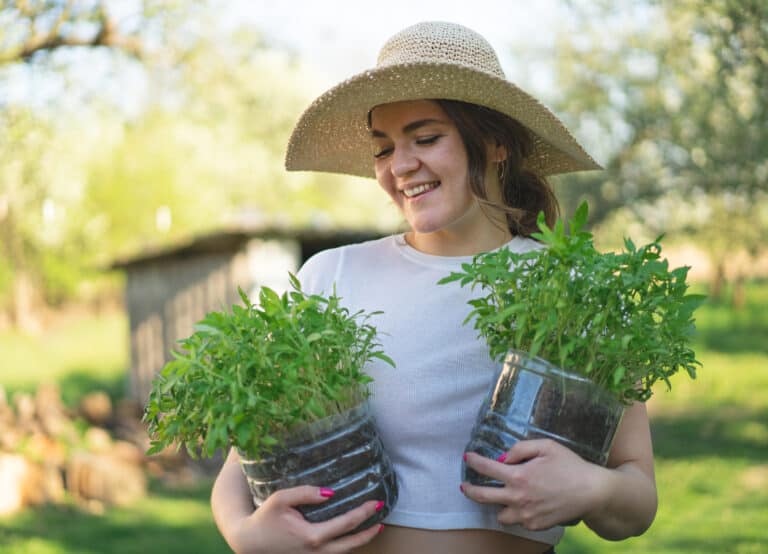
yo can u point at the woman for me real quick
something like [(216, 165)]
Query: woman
[(463, 154)]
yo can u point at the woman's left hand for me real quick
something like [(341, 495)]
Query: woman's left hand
[(545, 484)]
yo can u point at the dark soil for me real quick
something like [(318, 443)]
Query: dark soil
[(533, 405), (350, 460)]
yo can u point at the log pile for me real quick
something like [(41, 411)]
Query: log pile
[(93, 455)]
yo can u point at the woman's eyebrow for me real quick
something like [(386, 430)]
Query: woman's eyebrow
[(412, 126)]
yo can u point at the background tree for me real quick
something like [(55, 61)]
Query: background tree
[(677, 105), (35, 27), (39, 181), (150, 125)]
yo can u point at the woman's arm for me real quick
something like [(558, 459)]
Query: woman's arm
[(627, 501), (547, 484), (231, 500), (277, 526)]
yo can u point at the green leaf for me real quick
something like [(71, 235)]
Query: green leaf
[(383, 357), (205, 328), (250, 374), (295, 283), (616, 318), (580, 217), (618, 375)]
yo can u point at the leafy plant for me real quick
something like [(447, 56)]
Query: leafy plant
[(623, 320), (247, 377)]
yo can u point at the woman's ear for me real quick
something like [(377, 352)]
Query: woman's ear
[(497, 153)]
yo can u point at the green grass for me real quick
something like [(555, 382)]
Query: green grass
[(168, 521), (711, 444), (710, 440), (723, 329), (80, 355)]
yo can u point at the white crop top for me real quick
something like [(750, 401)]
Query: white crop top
[(426, 406)]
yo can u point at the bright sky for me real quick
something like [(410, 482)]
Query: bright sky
[(342, 37)]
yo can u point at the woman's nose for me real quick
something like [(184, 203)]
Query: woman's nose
[(403, 162)]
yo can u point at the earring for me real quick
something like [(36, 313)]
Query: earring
[(502, 171)]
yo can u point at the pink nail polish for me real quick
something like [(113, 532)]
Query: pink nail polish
[(461, 488), (379, 505), (502, 458), (465, 456), (327, 493), (381, 528)]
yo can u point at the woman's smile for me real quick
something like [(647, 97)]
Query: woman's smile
[(418, 190), (421, 162)]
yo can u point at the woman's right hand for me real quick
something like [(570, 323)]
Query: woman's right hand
[(277, 527)]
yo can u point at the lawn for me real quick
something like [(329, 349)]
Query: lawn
[(171, 521), (710, 440), (711, 444)]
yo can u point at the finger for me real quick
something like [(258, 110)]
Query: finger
[(339, 525), (488, 467), (294, 496), (485, 495), (522, 451), (509, 515), (346, 544)]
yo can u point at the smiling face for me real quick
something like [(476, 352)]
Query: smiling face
[(421, 162)]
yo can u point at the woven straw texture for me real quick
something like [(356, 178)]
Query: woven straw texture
[(427, 60)]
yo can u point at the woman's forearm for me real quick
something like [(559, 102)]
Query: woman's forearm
[(627, 503), (230, 498)]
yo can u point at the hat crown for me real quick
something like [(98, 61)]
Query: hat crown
[(439, 42)]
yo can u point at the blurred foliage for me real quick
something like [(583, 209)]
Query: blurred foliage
[(37, 27), (142, 122), (675, 100), (116, 152)]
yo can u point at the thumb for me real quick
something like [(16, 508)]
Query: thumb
[(306, 494), (522, 451)]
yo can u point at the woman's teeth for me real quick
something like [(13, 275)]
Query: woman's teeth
[(421, 189)]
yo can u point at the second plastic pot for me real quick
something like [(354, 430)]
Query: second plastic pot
[(342, 452), (533, 399)]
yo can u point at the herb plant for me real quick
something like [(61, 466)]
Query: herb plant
[(623, 320), (247, 377)]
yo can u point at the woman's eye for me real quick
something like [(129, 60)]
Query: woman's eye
[(428, 140), (382, 153)]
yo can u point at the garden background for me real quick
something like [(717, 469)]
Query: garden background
[(132, 125)]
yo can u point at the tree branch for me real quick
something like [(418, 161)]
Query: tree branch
[(107, 35)]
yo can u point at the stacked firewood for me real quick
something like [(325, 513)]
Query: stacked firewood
[(48, 453)]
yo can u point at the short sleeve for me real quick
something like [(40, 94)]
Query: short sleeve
[(319, 272)]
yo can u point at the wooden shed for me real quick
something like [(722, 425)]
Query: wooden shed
[(168, 290)]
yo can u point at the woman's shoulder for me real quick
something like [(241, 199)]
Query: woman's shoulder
[(323, 268)]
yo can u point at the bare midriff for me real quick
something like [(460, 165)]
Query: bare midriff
[(398, 540)]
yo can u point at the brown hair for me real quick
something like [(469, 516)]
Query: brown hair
[(524, 194)]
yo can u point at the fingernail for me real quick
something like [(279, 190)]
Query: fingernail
[(465, 456), (327, 493), (502, 458), (461, 488), (381, 528), (379, 505)]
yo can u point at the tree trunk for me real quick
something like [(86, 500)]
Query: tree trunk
[(23, 305), (717, 283), (739, 299)]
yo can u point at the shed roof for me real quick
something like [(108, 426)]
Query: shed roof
[(229, 240)]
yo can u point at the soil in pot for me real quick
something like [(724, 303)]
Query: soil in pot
[(342, 452), (533, 399)]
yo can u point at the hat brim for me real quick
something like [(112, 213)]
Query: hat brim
[(332, 135)]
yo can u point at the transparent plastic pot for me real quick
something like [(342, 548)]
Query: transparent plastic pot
[(342, 452), (533, 399)]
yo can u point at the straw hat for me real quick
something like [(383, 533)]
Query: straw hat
[(427, 60)]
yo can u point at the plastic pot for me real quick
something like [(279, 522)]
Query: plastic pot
[(533, 399), (342, 452)]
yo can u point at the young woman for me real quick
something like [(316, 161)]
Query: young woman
[(463, 154)]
